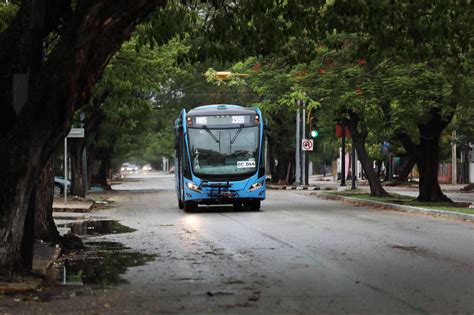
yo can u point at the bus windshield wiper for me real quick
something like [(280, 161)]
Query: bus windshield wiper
[(236, 134), (210, 133)]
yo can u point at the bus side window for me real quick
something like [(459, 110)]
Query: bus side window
[(178, 135), (176, 144), (184, 152)]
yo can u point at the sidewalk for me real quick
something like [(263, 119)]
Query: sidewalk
[(72, 205)]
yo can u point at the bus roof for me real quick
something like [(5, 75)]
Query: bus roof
[(216, 108)]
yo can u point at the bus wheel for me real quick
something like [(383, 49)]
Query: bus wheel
[(190, 206), (254, 205), (180, 204)]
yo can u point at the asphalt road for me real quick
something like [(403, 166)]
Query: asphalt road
[(298, 255)]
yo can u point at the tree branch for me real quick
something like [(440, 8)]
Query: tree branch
[(412, 149)]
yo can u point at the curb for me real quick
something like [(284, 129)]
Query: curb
[(81, 207), (294, 187), (392, 206), (24, 285)]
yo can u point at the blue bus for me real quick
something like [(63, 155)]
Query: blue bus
[(219, 157)]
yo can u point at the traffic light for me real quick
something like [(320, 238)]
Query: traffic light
[(312, 122)]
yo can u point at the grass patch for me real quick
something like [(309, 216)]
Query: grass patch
[(460, 207)]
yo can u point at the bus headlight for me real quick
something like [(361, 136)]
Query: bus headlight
[(255, 186), (193, 187)]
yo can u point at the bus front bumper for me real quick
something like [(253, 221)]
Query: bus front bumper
[(206, 195)]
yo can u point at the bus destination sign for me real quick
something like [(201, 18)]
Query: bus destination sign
[(222, 120)]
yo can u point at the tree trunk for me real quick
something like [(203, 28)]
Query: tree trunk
[(428, 165), (94, 119), (27, 241), (90, 169), (277, 170), (271, 161), (101, 177), (77, 173), (91, 162), (56, 88), (426, 155), (358, 140), (16, 187), (406, 169), (271, 158), (280, 171), (45, 228)]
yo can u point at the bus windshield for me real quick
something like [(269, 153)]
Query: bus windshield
[(223, 151)]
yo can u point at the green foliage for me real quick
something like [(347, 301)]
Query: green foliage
[(226, 31), (7, 13), (128, 98)]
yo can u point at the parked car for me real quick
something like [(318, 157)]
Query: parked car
[(146, 168), (59, 185)]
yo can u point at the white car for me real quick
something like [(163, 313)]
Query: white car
[(130, 168)]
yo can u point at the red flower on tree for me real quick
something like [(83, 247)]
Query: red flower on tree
[(361, 61), (322, 71), (256, 67), (302, 73)]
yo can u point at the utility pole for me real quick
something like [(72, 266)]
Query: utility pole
[(454, 165), (306, 166), (304, 153), (298, 147), (353, 166), (343, 156)]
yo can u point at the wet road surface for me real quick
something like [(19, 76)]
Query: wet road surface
[(299, 255)]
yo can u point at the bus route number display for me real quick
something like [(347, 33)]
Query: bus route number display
[(222, 120), (245, 164)]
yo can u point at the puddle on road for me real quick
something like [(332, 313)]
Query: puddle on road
[(100, 227), (101, 264)]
